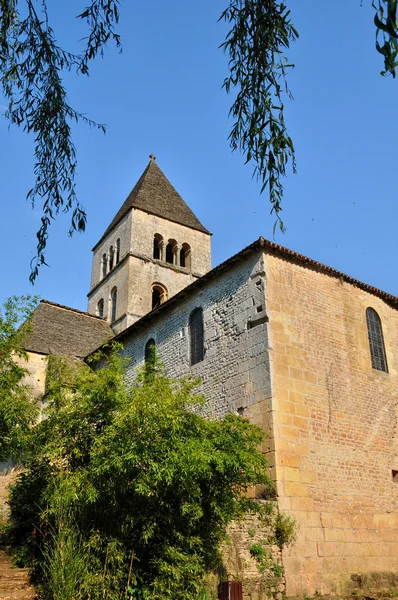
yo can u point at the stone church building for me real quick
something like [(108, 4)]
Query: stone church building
[(305, 351)]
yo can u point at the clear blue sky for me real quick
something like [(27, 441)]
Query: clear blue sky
[(163, 95)]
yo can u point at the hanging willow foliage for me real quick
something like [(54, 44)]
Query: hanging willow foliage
[(387, 33), (32, 64), (256, 44), (31, 67)]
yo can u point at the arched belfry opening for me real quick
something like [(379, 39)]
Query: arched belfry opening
[(171, 252), (185, 256), (158, 247), (159, 295), (154, 237)]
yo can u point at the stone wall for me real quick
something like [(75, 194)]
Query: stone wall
[(137, 271), (240, 563), (145, 226), (335, 429), (235, 371)]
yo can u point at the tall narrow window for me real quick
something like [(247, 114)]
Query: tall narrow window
[(111, 257), (104, 264), (196, 336), (159, 295), (376, 341), (157, 246), (171, 250), (150, 358), (113, 304), (185, 256), (100, 308), (117, 251), (150, 348)]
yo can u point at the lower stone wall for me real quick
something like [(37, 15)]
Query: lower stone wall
[(342, 554), (261, 572), (8, 475)]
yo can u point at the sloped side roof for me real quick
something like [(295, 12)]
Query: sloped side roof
[(154, 194), (57, 329)]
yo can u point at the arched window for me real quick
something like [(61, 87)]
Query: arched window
[(113, 304), (376, 341), (104, 264), (196, 336), (111, 257), (117, 251), (150, 349), (158, 247), (159, 295), (100, 308), (171, 252), (185, 256)]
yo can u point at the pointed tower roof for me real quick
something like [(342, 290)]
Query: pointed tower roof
[(154, 194)]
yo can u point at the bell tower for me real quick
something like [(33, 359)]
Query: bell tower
[(153, 248)]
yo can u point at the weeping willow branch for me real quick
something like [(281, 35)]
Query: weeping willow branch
[(261, 33), (387, 33), (31, 66)]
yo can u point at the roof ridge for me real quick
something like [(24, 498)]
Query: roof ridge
[(259, 243), (76, 310)]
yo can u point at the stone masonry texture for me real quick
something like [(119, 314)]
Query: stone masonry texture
[(137, 271), (335, 428)]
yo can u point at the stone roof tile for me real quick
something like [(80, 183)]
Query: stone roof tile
[(61, 330), (154, 194)]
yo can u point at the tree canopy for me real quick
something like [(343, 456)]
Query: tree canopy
[(17, 408), (130, 489), (32, 65)]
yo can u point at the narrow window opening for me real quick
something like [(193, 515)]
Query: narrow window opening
[(196, 336), (100, 308), (376, 341), (150, 349), (104, 264), (159, 295), (171, 252), (113, 304), (185, 256), (157, 246), (117, 251), (394, 476), (111, 257)]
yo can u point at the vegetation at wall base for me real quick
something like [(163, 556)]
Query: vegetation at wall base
[(130, 490), (17, 410)]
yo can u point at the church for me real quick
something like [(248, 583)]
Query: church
[(305, 351)]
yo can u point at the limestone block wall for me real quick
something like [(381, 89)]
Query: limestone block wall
[(118, 278), (239, 563), (123, 232), (35, 377), (145, 226), (142, 275), (335, 429), (235, 371), (137, 271)]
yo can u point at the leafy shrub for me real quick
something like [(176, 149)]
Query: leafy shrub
[(150, 483), (285, 529)]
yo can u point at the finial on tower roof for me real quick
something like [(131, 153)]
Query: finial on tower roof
[(152, 157)]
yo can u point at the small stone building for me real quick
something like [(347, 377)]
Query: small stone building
[(305, 351)]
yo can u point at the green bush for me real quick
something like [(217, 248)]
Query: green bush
[(150, 483)]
